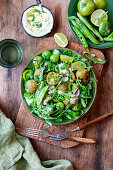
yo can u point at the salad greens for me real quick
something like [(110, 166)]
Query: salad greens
[(54, 91)]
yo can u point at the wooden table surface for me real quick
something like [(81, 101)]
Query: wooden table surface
[(83, 157)]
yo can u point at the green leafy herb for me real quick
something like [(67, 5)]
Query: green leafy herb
[(38, 25)]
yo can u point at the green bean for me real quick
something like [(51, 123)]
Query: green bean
[(81, 38), (89, 25), (87, 31), (109, 38)]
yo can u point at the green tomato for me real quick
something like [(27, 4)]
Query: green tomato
[(60, 105), (37, 60), (85, 7), (100, 4), (105, 28), (54, 58), (48, 64), (46, 55)]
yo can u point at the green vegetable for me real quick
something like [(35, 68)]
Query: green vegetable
[(38, 25), (83, 103), (105, 28), (54, 58), (85, 7), (48, 64), (93, 60), (71, 114), (100, 4), (41, 95), (89, 25), (87, 31), (56, 52), (79, 27), (81, 38), (46, 55), (77, 107), (37, 61), (27, 74), (67, 52), (109, 38), (60, 105)]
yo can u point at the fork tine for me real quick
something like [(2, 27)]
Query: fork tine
[(55, 138), (33, 135), (59, 137), (34, 130)]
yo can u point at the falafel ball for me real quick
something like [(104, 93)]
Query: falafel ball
[(37, 72), (63, 87), (31, 86), (83, 73)]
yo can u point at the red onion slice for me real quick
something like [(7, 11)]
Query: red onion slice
[(76, 92)]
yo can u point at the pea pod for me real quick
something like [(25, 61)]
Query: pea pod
[(81, 38), (41, 95), (78, 26), (89, 25), (86, 31), (109, 38)]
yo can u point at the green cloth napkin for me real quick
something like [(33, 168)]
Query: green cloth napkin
[(16, 152)]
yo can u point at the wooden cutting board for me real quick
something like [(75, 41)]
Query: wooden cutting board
[(25, 119)]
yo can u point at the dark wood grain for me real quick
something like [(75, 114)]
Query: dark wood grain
[(83, 157)]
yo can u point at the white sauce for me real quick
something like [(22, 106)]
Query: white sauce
[(36, 22)]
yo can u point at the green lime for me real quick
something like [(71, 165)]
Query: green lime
[(61, 39), (98, 16), (54, 58), (27, 74), (66, 58), (37, 60), (52, 78), (77, 65), (60, 105), (46, 55)]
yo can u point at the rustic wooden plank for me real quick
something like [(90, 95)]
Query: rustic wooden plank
[(87, 157)]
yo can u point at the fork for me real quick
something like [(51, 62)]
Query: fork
[(44, 134), (66, 134), (39, 133)]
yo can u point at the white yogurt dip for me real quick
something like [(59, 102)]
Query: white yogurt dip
[(37, 23)]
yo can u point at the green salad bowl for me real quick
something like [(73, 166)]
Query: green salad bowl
[(72, 11), (57, 122)]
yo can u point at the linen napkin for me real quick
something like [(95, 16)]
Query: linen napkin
[(16, 152)]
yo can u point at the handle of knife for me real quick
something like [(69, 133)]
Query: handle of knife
[(82, 140)]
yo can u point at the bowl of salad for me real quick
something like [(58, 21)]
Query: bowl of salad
[(58, 86)]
